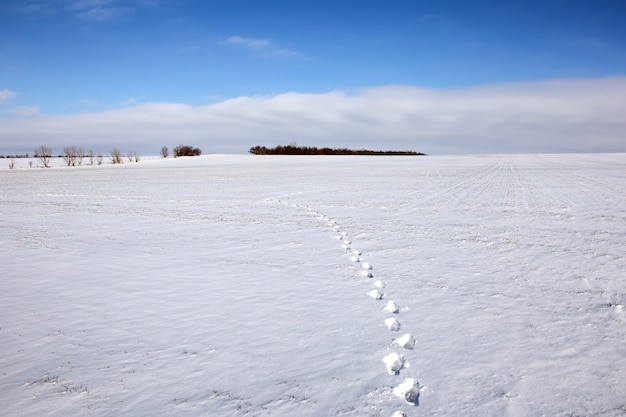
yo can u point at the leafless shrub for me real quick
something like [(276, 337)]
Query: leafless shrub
[(80, 154), (133, 156), (91, 156), (116, 156), (44, 154), (12, 164), (70, 155), (165, 152), (99, 159)]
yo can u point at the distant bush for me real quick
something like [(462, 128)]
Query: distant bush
[(182, 150), (44, 154), (165, 152), (73, 155), (133, 156), (116, 156)]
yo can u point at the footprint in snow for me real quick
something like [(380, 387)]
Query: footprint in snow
[(355, 258), (376, 294), (406, 341), (366, 266), (399, 413), (394, 363), (367, 274), (378, 283), (392, 307), (392, 324), (409, 390)]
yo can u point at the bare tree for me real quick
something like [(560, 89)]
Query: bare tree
[(70, 154), (116, 156), (80, 154), (165, 152), (44, 154), (99, 159), (133, 156), (91, 156), (12, 164)]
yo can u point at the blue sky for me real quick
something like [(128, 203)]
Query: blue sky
[(455, 76)]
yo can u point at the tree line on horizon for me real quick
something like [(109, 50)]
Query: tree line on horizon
[(76, 155), (293, 149)]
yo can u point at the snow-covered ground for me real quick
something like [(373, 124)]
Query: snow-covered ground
[(242, 285)]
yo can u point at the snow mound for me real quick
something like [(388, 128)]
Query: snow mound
[(394, 363), (409, 390), (392, 307), (366, 274), (375, 294), (406, 341), (392, 324)]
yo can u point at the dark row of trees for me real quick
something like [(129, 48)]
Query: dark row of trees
[(183, 150), (308, 150), (25, 155)]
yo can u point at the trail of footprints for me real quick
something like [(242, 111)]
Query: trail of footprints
[(407, 388)]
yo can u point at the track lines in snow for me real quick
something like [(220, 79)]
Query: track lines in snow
[(405, 387), (395, 363)]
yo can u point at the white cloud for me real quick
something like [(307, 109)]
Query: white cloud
[(24, 111), (256, 44), (6, 95), (36, 9), (131, 101), (88, 10), (90, 102), (264, 47), (583, 115), (101, 14)]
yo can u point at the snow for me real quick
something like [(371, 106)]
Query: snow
[(222, 285), (392, 307), (394, 363), (392, 324), (409, 390), (376, 294), (406, 341)]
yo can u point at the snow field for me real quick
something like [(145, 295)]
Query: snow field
[(215, 286)]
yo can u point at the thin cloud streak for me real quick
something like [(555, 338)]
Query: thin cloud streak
[(6, 95), (583, 115), (24, 111), (86, 10), (264, 47)]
